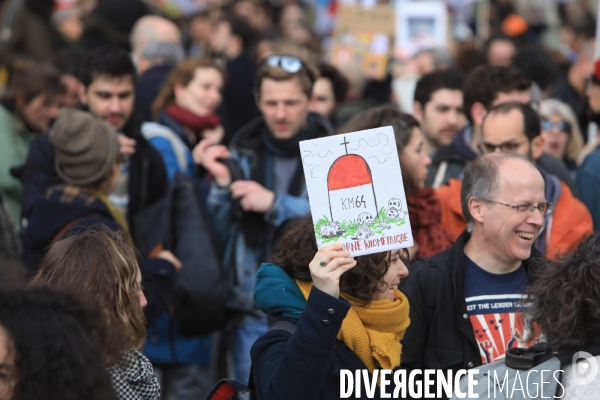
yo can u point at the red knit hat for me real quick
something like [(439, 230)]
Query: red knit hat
[(597, 68)]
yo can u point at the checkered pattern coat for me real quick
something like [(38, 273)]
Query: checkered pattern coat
[(133, 377)]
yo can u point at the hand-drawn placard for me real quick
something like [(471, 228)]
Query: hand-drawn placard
[(356, 192)]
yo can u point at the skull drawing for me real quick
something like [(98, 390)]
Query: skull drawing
[(364, 219), (363, 233), (330, 230), (395, 203), (392, 213)]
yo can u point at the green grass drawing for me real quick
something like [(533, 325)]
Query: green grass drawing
[(350, 228)]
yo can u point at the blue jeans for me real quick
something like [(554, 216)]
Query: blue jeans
[(242, 339)]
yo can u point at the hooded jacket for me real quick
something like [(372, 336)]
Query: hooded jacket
[(307, 364)]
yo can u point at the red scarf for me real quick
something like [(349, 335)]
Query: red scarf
[(425, 217), (190, 120)]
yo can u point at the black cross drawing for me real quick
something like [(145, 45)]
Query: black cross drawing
[(345, 143)]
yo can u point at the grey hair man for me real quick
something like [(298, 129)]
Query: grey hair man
[(156, 48), (477, 284)]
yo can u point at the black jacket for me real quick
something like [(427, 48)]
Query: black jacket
[(239, 104), (147, 180), (449, 342)]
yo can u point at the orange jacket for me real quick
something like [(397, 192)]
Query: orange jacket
[(571, 220)]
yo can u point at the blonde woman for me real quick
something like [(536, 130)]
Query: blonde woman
[(561, 133)]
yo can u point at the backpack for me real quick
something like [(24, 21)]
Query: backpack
[(525, 373), (178, 223), (230, 389)]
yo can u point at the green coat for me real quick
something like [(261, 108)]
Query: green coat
[(15, 139)]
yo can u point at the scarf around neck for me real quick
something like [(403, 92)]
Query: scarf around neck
[(425, 220), (253, 224), (114, 212), (192, 121), (373, 333)]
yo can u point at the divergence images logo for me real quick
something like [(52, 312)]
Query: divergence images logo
[(584, 371)]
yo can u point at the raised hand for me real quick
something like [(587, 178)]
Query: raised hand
[(327, 267)]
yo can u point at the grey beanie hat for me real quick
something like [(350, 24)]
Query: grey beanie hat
[(86, 147)]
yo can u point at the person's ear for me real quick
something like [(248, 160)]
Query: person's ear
[(83, 98), (142, 65), (478, 113), (20, 100), (418, 112), (179, 93), (537, 147), (476, 209)]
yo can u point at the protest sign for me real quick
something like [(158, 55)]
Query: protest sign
[(355, 190), (363, 36)]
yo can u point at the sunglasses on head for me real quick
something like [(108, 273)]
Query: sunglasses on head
[(290, 64), (563, 126)]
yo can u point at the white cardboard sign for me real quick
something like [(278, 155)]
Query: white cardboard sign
[(355, 190)]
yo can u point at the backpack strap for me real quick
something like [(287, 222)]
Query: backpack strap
[(150, 130), (65, 229), (440, 175)]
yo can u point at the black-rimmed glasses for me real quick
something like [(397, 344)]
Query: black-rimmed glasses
[(544, 208), (486, 148)]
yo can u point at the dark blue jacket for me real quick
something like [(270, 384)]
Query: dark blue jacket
[(147, 88), (307, 364), (588, 180), (58, 209)]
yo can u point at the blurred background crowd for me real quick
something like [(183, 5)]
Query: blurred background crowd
[(153, 67)]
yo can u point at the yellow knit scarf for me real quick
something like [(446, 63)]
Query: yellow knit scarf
[(114, 211), (373, 333)]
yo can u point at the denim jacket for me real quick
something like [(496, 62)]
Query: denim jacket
[(285, 206)]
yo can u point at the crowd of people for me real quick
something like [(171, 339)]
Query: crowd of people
[(127, 131)]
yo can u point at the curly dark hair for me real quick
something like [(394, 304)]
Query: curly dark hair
[(297, 248), (565, 297), (56, 344)]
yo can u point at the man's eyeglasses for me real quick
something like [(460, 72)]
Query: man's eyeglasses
[(290, 64), (589, 82), (486, 148), (563, 126), (544, 208)]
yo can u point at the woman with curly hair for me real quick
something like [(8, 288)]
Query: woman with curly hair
[(565, 308), (100, 264), (348, 311), (50, 348)]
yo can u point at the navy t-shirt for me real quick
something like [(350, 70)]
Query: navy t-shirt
[(494, 305)]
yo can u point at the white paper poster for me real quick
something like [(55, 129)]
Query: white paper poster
[(355, 190)]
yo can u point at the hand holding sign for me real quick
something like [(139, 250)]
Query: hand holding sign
[(356, 193), (327, 267)]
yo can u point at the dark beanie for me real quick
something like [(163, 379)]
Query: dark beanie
[(86, 147)]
